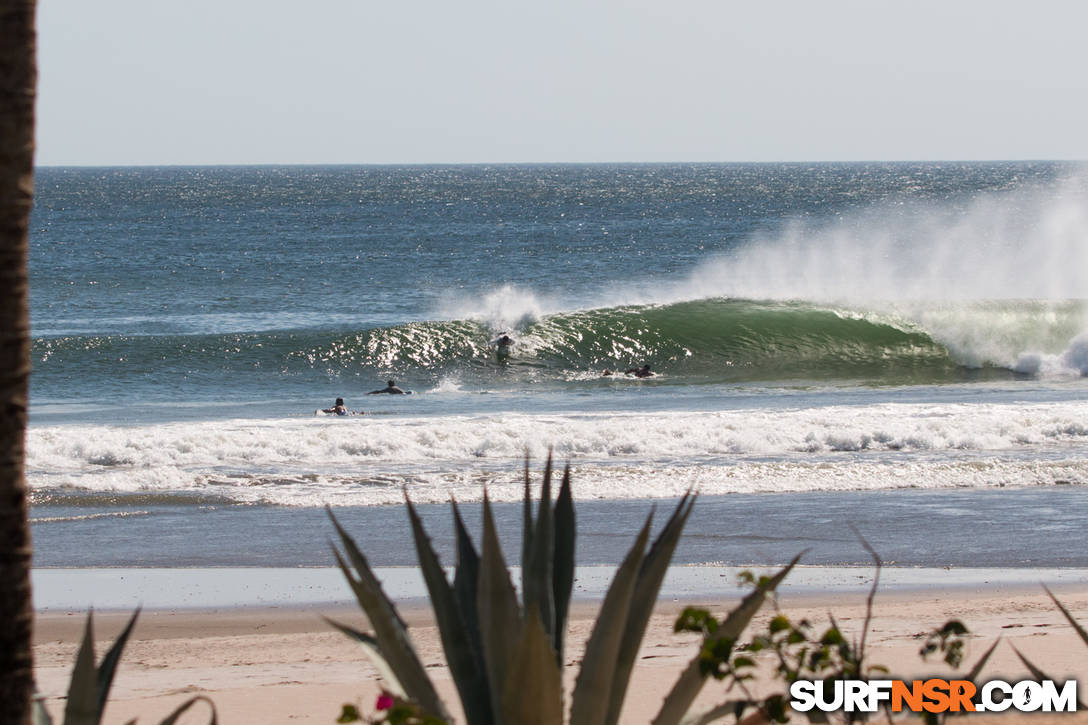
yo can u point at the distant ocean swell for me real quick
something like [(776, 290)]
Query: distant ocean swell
[(365, 460), (714, 340)]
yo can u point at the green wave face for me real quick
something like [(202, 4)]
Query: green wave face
[(722, 340), (710, 340)]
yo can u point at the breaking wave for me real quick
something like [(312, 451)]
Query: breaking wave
[(708, 340)]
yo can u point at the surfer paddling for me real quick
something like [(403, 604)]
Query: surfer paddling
[(338, 408), (390, 388)]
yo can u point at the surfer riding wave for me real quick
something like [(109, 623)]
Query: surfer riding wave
[(504, 346)]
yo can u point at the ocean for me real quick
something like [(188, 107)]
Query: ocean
[(834, 347)]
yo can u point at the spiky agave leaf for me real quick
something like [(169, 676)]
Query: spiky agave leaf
[(1069, 617), (89, 687), (533, 691), (108, 667), (536, 578), (184, 707), (651, 575), (526, 518), (716, 713), (389, 629), (374, 654), (562, 563), (40, 714), (82, 707), (691, 681), (592, 691), (499, 615), (1037, 673), (468, 676), (466, 579), (974, 673)]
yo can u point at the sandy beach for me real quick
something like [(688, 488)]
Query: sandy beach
[(286, 665)]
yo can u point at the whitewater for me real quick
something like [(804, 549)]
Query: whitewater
[(817, 331), (361, 461)]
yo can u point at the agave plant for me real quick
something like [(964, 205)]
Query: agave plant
[(505, 654), (89, 688), (1036, 672)]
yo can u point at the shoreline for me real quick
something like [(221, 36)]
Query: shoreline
[(996, 527), (285, 664), (231, 588)]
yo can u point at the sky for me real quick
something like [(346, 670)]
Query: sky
[(138, 82)]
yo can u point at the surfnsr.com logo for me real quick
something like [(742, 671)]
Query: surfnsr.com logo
[(933, 695)]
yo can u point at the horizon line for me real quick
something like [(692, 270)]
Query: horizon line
[(314, 164)]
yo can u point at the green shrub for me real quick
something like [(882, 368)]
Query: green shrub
[(798, 652)]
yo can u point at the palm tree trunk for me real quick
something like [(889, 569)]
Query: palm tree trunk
[(18, 81)]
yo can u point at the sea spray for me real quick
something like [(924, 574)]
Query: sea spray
[(997, 278), (1022, 244), (505, 309)]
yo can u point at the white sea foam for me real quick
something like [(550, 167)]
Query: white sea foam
[(88, 517), (1072, 362), (367, 460), (448, 384), (1076, 355)]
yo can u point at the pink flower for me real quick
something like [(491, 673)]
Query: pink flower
[(385, 701)]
